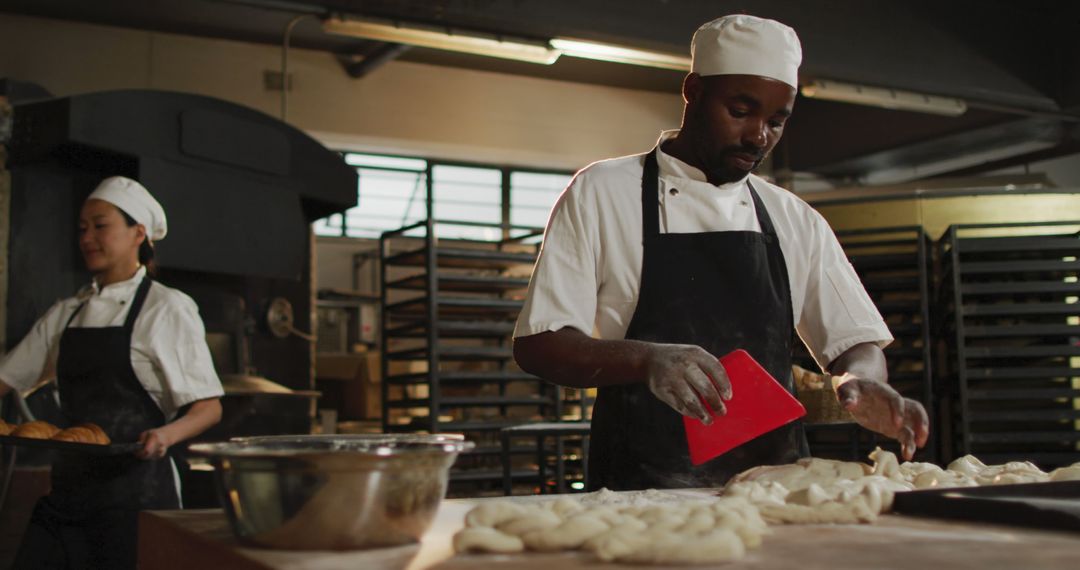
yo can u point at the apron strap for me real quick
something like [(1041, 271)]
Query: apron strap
[(72, 317), (137, 303), (650, 202), (763, 218)]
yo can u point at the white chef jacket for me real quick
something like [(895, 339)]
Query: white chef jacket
[(168, 343), (589, 270)]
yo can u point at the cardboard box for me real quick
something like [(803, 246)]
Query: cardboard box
[(351, 383)]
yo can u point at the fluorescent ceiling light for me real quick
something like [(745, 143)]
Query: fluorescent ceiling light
[(883, 97), (618, 54), (491, 46), (544, 53)]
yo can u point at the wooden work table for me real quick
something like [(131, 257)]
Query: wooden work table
[(202, 540)]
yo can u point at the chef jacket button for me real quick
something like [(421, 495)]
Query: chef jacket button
[(674, 191)]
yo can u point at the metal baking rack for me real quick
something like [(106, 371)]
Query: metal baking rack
[(1011, 341), (448, 314)]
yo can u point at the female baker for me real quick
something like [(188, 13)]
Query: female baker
[(129, 355)]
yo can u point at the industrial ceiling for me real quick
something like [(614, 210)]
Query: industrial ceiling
[(1015, 64)]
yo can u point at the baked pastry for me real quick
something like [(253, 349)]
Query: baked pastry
[(99, 435), (76, 435), (6, 428), (36, 430)]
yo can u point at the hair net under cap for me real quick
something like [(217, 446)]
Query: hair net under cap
[(136, 201), (747, 45)]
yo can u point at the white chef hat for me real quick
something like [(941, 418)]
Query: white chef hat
[(747, 45), (135, 200)]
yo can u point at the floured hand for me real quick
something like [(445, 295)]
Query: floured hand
[(878, 407)]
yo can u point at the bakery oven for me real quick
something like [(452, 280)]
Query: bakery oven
[(240, 188)]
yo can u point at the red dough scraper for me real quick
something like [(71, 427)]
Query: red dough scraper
[(759, 404)]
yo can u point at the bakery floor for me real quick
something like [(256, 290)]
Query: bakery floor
[(174, 540)]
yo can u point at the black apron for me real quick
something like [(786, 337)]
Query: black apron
[(718, 290), (89, 518)]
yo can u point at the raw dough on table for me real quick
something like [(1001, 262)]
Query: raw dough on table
[(673, 532)]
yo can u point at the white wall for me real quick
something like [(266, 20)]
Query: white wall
[(402, 107)]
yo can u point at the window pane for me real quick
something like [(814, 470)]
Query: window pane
[(388, 200), (467, 194), (532, 194)]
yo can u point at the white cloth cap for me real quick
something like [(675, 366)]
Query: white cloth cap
[(747, 45), (136, 201)]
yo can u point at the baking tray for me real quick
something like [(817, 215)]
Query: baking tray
[(93, 449), (1053, 505)]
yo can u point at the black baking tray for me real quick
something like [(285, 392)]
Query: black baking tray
[(1054, 505), (93, 449)]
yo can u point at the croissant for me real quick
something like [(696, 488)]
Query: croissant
[(98, 435), (76, 435), (36, 430), (6, 428)]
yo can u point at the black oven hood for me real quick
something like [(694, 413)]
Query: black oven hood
[(239, 186)]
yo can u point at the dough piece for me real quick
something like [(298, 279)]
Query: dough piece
[(569, 535), (674, 532), (493, 513), (968, 465), (486, 539), (671, 548), (1011, 473), (528, 521), (758, 492), (615, 543), (566, 507), (912, 469), (738, 515), (853, 512), (1070, 473), (944, 479), (885, 464), (35, 430), (804, 472)]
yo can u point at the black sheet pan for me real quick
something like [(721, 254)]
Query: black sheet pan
[(69, 446), (1054, 505)]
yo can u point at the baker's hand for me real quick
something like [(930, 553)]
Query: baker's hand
[(155, 443), (682, 375), (878, 407)]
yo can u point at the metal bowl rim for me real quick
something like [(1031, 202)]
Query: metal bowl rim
[(379, 445)]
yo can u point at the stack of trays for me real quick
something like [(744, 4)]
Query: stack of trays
[(1011, 328)]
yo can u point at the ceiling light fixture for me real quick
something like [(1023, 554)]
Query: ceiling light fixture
[(883, 97), (619, 54), (491, 46)]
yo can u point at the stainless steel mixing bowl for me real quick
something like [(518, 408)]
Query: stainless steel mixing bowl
[(332, 492)]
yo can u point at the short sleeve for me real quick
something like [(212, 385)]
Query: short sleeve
[(562, 290), (177, 343), (23, 366), (837, 312)]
